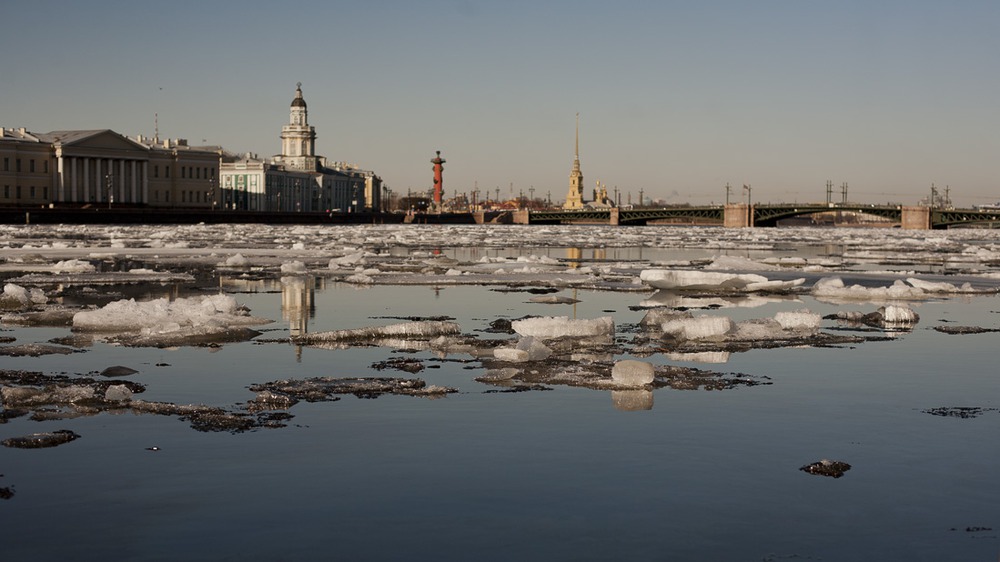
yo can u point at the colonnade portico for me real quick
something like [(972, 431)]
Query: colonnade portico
[(86, 179)]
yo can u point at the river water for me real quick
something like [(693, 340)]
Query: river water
[(565, 473)]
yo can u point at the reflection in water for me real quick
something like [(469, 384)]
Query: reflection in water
[(574, 256), (701, 357), (632, 400), (672, 299), (298, 303)]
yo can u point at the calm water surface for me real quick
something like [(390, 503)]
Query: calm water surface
[(545, 475)]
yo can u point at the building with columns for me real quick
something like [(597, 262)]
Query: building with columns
[(102, 167)]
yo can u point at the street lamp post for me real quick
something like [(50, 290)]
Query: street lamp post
[(111, 194)]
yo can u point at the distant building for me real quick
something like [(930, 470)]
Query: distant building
[(98, 167), (297, 179), (102, 167), (574, 198)]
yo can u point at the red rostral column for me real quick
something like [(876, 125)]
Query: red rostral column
[(438, 181)]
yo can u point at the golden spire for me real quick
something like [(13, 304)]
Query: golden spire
[(576, 153)]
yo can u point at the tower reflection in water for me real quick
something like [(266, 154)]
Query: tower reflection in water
[(298, 298)]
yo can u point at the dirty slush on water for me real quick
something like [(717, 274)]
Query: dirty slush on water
[(443, 392)]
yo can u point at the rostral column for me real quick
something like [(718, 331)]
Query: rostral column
[(438, 179)]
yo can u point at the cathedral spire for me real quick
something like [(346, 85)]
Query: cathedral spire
[(574, 197), (576, 151)]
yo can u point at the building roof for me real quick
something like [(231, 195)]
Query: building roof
[(69, 137)]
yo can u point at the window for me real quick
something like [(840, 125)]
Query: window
[(45, 192), (18, 190), (17, 164), (31, 166), (32, 192), (6, 192), (6, 164), (166, 174), (166, 195), (182, 172), (45, 166), (156, 172)]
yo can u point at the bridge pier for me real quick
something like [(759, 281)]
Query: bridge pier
[(737, 215), (613, 219), (521, 216), (916, 218)]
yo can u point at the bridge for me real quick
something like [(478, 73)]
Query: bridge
[(738, 215)]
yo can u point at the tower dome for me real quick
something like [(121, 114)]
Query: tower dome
[(298, 101)]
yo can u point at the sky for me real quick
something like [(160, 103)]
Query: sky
[(675, 99)]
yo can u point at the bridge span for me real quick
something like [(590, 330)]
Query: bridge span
[(740, 215)]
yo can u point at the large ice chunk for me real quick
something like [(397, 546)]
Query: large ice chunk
[(550, 327), (163, 315)]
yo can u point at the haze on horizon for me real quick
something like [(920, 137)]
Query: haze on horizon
[(675, 98)]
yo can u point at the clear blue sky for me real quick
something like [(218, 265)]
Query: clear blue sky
[(675, 98)]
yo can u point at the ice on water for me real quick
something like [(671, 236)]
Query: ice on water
[(551, 327), (160, 316)]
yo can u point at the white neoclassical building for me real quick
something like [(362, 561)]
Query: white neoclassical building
[(297, 179)]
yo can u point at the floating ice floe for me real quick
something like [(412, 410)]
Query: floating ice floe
[(632, 373), (236, 260), (550, 327), (910, 289), (422, 329), (294, 268), (697, 280), (553, 299), (890, 316), (163, 322), (73, 266), (105, 278), (16, 297), (527, 349), (698, 328), (737, 263)]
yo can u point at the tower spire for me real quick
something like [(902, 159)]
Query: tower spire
[(574, 197), (576, 151)]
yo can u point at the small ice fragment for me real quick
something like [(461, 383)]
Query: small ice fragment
[(629, 372), (898, 315), (537, 351), (237, 260), (510, 354), (118, 393), (699, 327), (73, 266), (295, 267), (798, 320)]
